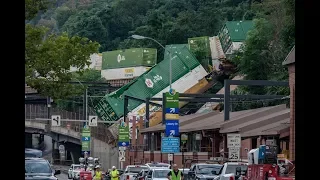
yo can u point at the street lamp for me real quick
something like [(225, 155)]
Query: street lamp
[(170, 54)]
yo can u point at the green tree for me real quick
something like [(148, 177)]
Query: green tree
[(48, 57)]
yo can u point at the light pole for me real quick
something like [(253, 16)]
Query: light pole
[(170, 55)]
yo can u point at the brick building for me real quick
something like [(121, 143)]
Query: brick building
[(207, 132), (290, 63)]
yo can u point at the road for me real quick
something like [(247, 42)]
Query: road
[(62, 176)]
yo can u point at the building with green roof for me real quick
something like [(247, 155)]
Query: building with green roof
[(234, 32)]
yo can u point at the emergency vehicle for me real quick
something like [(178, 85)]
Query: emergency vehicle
[(265, 164)]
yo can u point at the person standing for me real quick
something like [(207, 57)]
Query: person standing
[(175, 173), (97, 173), (114, 173)]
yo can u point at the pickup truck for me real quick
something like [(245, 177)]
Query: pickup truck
[(132, 171), (229, 171)]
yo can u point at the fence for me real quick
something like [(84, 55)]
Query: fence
[(33, 111)]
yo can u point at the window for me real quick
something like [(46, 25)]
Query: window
[(232, 168), (161, 173), (208, 169), (135, 169), (37, 167), (253, 143)]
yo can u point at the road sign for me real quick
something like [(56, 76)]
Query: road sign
[(170, 157), (233, 140), (172, 100), (68, 126), (122, 159), (55, 120), (85, 153), (172, 128), (122, 154), (85, 139), (123, 139), (172, 116), (172, 113), (93, 121), (234, 154), (170, 145), (122, 148), (172, 110)]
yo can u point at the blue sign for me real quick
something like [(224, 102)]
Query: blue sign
[(123, 144), (172, 128), (262, 152), (170, 145), (172, 110), (88, 152), (84, 138)]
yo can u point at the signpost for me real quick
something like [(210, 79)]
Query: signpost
[(93, 121), (55, 120), (122, 155), (85, 140), (234, 154), (123, 141), (172, 113), (170, 145), (234, 144)]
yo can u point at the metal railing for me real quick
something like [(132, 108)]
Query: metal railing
[(34, 112)]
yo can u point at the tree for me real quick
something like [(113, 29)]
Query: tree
[(48, 57)]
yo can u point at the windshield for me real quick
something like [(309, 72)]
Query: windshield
[(159, 165), (161, 173), (37, 167), (76, 168), (207, 169), (135, 169), (232, 168)]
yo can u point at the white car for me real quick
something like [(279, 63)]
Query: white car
[(131, 172), (158, 174), (159, 165), (74, 171)]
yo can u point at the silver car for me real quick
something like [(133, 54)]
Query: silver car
[(131, 172), (158, 174)]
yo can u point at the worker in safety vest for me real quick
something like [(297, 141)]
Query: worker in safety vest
[(175, 174), (114, 173), (97, 174)]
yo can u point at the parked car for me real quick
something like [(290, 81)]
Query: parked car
[(142, 174), (185, 172), (39, 168), (203, 171), (228, 171), (32, 153), (158, 174), (74, 171), (131, 172), (164, 165)]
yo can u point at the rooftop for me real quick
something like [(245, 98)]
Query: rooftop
[(271, 120), (291, 57)]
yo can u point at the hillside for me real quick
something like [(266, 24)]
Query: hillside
[(110, 22)]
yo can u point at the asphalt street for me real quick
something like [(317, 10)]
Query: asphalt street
[(62, 176)]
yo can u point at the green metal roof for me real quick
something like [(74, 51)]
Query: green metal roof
[(238, 30)]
